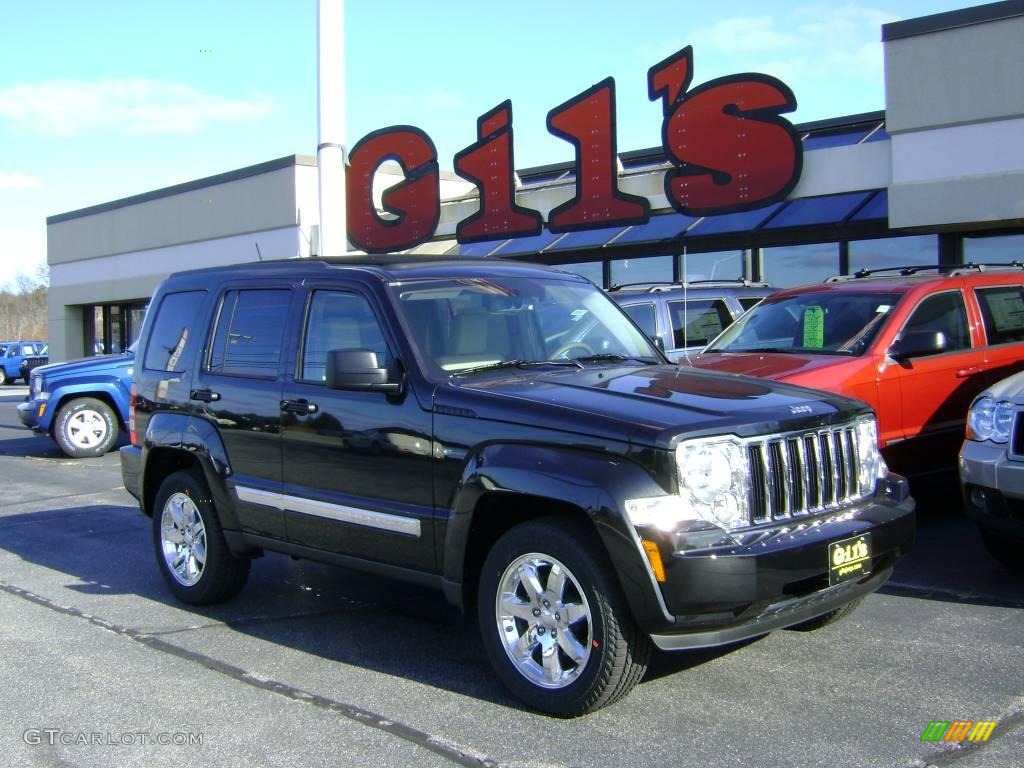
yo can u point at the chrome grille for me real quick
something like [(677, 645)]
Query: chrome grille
[(802, 473)]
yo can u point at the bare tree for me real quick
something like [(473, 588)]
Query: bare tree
[(23, 309)]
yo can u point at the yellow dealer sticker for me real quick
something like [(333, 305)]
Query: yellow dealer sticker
[(849, 558)]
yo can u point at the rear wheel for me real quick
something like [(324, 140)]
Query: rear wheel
[(554, 620), (1008, 550), (191, 552), (86, 427)]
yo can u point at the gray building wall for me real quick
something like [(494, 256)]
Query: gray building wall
[(955, 112)]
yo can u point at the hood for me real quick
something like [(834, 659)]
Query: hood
[(87, 364), (767, 365), (648, 405), (1010, 388)]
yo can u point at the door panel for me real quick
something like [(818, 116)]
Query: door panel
[(239, 390), (358, 466), (936, 390)]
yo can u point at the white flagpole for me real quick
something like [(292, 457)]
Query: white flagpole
[(330, 151)]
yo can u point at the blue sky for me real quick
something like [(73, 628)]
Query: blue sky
[(101, 99)]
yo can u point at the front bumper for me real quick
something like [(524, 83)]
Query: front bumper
[(28, 414), (776, 577), (993, 485)]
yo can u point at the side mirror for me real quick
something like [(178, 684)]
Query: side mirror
[(358, 369), (918, 344)]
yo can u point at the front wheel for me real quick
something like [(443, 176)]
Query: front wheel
[(554, 620), (4, 378), (86, 427), (831, 617), (191, 552)]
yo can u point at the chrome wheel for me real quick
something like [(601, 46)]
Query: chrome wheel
[(544, 620), (86, 429), (183, 539)]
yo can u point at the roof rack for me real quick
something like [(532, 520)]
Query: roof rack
[(657, 287), (970, 266), (950, 270)]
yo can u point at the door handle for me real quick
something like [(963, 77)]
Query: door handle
[(970, 370), (204, 395), (298, 406)]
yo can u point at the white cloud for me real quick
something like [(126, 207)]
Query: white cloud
[(746, 34), (814, 41), (134, 105), (18, 180)]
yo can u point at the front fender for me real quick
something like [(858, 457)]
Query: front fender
[(589, 480), (107, 388)]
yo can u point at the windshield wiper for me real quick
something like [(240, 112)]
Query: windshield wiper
[(515, 364), (611, 357)]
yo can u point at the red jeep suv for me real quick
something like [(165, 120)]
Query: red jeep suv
[(917, 345)]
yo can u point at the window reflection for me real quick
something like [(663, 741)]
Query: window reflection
[(713, 265), (652, 269), (788, 265), (894, 252)]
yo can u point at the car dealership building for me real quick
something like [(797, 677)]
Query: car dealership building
[(936, 178)]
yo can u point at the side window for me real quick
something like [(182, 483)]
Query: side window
[(943, 312), (644, 316), (1002, 310), (695, 323), (173, 331), (338, 320), (249, 333)]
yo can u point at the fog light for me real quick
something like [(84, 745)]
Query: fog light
[(978, 498)]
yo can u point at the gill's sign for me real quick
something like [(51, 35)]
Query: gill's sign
[(729, 146)]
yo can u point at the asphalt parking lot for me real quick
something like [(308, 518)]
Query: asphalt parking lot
[(316, 665)]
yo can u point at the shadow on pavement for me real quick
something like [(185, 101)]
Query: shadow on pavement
[(338, 614), (365, 621)]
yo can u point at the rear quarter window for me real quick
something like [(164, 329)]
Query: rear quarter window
[(174, 331)]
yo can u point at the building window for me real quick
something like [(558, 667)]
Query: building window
[(713, 265), (889, 252), (994, 249), (788, 265), (112, 328), (652, 269), (592, 270)]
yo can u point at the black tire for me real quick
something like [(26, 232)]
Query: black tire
[(829, 618), (613, 651), (86, 427), (1007, 549), (221, 575)]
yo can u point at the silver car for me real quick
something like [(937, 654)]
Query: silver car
[(992, 469)]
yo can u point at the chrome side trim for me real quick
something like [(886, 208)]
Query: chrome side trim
[(365, 517)]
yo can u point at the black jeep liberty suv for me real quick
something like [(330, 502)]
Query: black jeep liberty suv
[(505, 433)]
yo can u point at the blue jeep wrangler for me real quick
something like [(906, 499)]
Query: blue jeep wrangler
[(81, 404), (18, 358)]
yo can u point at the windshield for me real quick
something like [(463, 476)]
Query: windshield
[(825, 323), (459, 325)]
